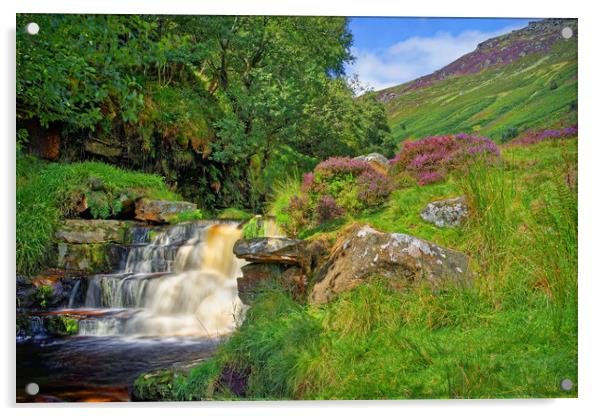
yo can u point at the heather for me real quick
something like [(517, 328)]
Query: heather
[(337, 187), (536, 136), (431, 159)]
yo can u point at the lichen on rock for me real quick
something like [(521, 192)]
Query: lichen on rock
[(446, 213)]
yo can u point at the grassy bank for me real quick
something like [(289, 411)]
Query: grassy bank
[(47, 192), (512, 334)]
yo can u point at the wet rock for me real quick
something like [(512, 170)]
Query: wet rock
[(92, 231), (89, 258), (446, 213), (270, 250), (404, 259), (377, 161), (254, 276), (159, 211), (49, 289)]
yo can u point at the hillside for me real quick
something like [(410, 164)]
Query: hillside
[(524, 79)]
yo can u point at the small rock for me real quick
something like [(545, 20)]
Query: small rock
[(159, 211), (100, 149), (446, 213)]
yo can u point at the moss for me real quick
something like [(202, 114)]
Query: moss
[(43, 295), (92, 258), (47, 192), (61, 326), (188, 216)]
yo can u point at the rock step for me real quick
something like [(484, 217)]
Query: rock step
[(278, 250), (94, 231), (159, 211)]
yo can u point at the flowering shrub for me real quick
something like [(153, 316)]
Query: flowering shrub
[(536, 136), (341, 165), (337, 186), (430, 160), (328, 209), (373, 188)]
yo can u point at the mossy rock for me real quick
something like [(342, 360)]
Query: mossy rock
[(60, 325), (90, 258), (93, 231), (155, 387)]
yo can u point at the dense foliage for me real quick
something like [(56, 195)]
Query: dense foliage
[(205, 101)]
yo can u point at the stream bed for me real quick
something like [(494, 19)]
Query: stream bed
[(99, 369)]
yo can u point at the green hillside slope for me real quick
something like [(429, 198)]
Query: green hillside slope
[(534, 85)]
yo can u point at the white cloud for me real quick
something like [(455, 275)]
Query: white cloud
[(414, 57)]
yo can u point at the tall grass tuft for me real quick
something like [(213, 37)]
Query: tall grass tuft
[(282, 193)]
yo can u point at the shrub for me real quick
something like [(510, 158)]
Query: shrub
[(536, 136), (296, 211), (430, 159), (337, 186), (327, 209), (374, 188)]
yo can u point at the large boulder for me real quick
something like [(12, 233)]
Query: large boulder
[(403, 258), (92, 231), (377, 161), (270, 250), (446, 212), (159, 211)]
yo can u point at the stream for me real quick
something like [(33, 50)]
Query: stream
[(169, 306)]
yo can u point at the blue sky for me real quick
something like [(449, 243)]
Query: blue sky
[(394, 50)]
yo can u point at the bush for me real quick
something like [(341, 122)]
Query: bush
[(536, 136), (429, 160), (337, 186)]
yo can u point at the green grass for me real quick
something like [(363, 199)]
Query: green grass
[(513, 333), (47, 192), (234, 214), (188, 216)]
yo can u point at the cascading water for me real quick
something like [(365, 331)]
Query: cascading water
[(180, 282)]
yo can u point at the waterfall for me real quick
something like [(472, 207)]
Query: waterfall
[(179, 281)]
